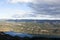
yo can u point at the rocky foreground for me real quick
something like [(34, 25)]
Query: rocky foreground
[(4, 36)]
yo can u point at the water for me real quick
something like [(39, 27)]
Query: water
[(19, 34), (30, 36)]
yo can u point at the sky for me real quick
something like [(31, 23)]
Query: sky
[(30, 9)]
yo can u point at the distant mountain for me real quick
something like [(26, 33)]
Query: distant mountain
[(32, 20)]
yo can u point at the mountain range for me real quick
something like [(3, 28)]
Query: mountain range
[(32, 20)]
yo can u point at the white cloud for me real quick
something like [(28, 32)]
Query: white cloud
[(13, 13), (34, 1), (47, 1), (20, 13), (21, 1)]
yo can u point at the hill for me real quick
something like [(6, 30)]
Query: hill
[(32, 20)]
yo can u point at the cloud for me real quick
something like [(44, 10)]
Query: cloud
[(21, 14), (46, 1), (34, 1), (19, 1), (46, 8), (41, 9)]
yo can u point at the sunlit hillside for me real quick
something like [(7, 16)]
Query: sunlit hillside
[(31, 27)]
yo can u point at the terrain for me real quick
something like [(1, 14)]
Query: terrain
[(39, 28), (31, 26)]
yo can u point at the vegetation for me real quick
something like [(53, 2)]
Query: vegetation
[(31, 27)]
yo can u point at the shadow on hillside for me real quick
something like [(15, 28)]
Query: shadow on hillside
[(4, 36)]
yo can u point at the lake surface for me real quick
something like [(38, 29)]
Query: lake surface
[(19, 34), (30, 36)]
